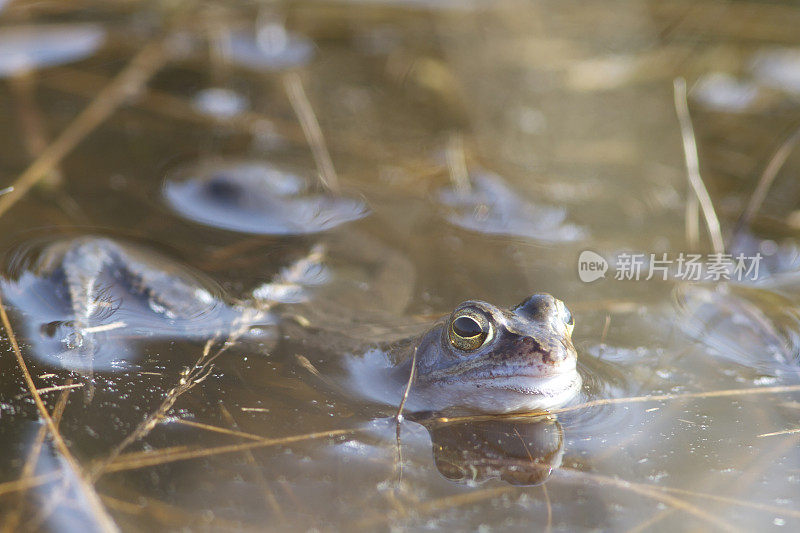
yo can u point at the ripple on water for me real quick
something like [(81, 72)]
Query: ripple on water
[(25, 48), (748, 325), (601, 381), (256, 197), (86, 301), (490, 206)]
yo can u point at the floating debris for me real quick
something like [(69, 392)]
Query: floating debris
[(220, 103), (490, 206), (256, 197), (85, 300), (27, 48)]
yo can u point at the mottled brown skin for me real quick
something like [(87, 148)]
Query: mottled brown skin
[(526, 361)]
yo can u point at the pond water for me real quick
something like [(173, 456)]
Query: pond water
[(219, 212)]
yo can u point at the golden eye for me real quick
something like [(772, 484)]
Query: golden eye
[(468, 332)]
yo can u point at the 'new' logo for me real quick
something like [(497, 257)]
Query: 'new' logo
[(591, 266)]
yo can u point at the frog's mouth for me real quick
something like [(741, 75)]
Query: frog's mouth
[(551, 374), (544, 386), (505, 394)]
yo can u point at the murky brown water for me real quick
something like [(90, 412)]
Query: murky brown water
[(477, 150)]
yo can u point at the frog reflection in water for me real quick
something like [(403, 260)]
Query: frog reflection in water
[(519, 452), (99, 294)]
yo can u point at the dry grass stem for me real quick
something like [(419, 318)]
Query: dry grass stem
[(269, 495), (142, 460), (549, 524), (457, 163), (774, 166), (126, 84), (17, 485), (104, 520), (784, 432), (407, 390), (173, 518), (653, 492), (692, 221), (54, 388), (214, 429), (83, 83), (627, 400), (31, 119), (693, 166), (308, 121), (198, 373), (12, 519)]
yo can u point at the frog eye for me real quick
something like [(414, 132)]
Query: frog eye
[(569, 320), (468, 331)]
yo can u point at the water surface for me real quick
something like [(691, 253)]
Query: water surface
[(561, 117)]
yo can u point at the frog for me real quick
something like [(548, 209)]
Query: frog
[(100, 294), (87, 299), (480, 358)]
